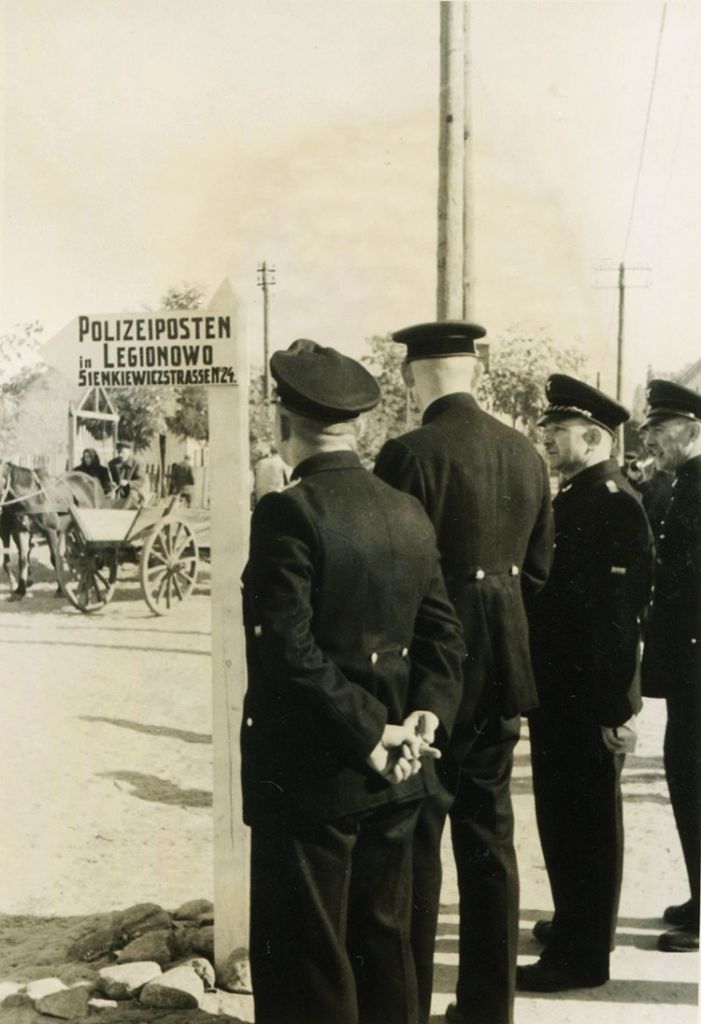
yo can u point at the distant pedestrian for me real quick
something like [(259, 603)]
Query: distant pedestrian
[(270, 473), (585, 643), (672, 655), (182, 480)]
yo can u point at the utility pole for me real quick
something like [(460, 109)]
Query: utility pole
[(266, 278), (621, 286), (468, 213), (452, 182)]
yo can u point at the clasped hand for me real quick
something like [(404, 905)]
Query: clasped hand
[(398, 754)]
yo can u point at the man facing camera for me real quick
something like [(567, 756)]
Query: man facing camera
[(349, 631), (485, 489), (672, 656), (585, 643)]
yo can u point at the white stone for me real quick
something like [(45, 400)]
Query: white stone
[(9, 988), (103, 1004), (229, 1005), (44, 987), (179, 989), (122, 981), (202, 968)]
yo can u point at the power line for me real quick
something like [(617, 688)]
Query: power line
[(645, 130)]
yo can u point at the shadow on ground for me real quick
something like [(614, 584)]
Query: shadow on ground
[(160, 791)]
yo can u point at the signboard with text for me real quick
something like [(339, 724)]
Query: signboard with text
[(169, 348)]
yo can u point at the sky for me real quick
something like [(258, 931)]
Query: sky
[(147, 143)]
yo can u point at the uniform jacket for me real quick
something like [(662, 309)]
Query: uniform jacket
[(586, 622), (485, 489), (348, 627), (672, 658)]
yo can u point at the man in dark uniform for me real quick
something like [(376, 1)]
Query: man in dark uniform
[(486, 491), (585, 643), (348, 631), (672, 656)]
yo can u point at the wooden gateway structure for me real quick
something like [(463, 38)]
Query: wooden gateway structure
[(92, 423)]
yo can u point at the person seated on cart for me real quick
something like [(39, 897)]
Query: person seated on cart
[(127, 476), (90, 465)]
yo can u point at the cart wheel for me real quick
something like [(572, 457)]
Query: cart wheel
[(85, 576), (169, 563)]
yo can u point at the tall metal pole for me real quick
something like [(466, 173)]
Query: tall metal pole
[(451, 162), (266, 277)]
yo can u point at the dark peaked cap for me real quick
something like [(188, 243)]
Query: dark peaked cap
[(442, 338), (667, 399), (569, 397), (321, 383)]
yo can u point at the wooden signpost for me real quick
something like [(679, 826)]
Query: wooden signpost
[(178, 348)]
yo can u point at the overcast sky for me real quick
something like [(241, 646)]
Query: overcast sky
[(151, 142)]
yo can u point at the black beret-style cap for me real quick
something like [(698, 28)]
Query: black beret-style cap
[(667, 400), (321, 383), (569, 397), (442, 338)]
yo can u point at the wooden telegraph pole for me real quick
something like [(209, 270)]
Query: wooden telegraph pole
[(455, 208), (266, 277)]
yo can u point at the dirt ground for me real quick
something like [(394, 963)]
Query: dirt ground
[(106, 766)]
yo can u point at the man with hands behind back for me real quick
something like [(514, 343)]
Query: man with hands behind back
[(349, 632)]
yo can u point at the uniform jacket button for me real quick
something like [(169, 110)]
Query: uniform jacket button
[(405, 651), (514, 570), (373, 657), (480, 574)]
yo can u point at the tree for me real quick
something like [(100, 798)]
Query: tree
[(392, 416), (519, 365), (191, 416), (142, 414), (20, 366)]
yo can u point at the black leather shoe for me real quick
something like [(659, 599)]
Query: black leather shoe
[(453, 1015), (544, 977), (542, 930), (684, 915), (679, 940)]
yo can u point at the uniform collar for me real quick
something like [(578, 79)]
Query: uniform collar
[(609, 467), (324, 461), (690, 469), (458, 400)]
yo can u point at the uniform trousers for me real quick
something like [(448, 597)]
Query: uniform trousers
[(579, 811), (682, 761), (482, 831), (330, 921)]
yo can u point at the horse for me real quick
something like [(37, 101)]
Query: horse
[(46, 503), (15, 527)]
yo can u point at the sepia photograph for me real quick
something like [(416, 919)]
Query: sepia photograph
[(350, 505)]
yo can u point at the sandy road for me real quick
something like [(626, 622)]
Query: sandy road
[(106, 763)]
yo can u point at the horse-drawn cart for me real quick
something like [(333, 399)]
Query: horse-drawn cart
[(96, 538)]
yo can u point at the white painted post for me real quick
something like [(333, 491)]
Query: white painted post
[(229, 515)]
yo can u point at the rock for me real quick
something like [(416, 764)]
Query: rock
[(202, 968), (126, 980), (44, 987), (97, 943), (228, 1006), (19, 1009), (9, 988), (158, 946), (103, 1004), (68, 1004), (204, 919), (185, 941), (191, 910), (235, 974), (204, 941), (143, 918), (178, 989)]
